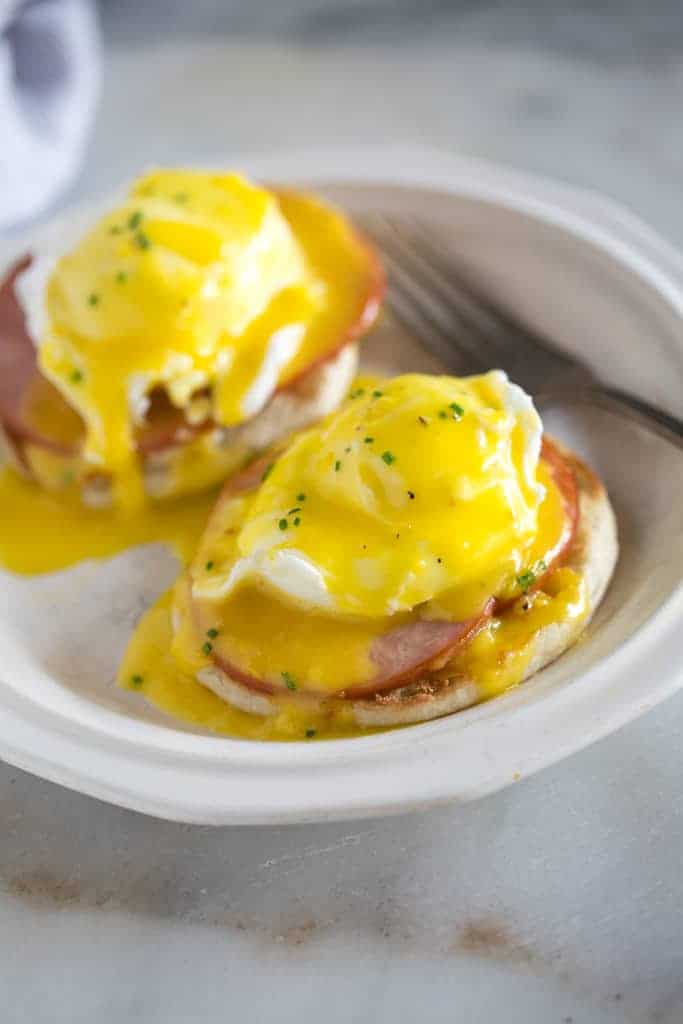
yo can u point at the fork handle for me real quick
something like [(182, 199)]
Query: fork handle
[(650, 412)]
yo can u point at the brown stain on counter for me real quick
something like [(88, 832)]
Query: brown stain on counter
[(491, 937), (44, 888)]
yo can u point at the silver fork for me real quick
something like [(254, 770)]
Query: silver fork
[(429, 295)]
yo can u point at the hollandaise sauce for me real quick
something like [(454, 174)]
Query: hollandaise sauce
[(42, 531)]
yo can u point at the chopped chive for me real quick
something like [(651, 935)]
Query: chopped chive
[(290, 681), (377, 394), (135, 220), (76, 376), (301, 497), (310, 733), (212, 633), (457, 410), (267, 471), (296, 521), (283, 524), (293, 511), (207, 648), (115, 229), (388, 457), (121, 277), (526, 580), (142, 241), (337, 466), (209, 566), (357, 392), (443, 414), (93, 299), (368, 440), (136, 680)]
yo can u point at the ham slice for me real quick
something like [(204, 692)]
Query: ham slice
[(403, 653), (400, 655), (20, 377)]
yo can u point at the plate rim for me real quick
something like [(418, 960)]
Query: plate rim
[(88, 759)]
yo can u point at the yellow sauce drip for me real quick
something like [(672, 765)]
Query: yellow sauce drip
[(151, 669), (498, 657), (43, 532)]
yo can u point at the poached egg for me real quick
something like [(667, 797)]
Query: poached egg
[(196, 281), (420, 491)]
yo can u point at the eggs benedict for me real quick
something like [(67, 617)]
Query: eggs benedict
[(185, 330), (423, 548)]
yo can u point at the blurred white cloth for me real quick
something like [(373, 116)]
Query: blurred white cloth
[(49, 84)]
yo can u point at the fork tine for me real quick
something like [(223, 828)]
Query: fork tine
[(503, 328), (449, 335), (481, 333), (413, 308)]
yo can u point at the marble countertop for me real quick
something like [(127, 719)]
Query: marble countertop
[(557, 900)]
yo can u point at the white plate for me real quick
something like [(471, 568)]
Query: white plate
[(572, 264)]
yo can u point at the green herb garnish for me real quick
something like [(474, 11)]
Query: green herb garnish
[(388, 457), (283, 524), (296, 520), (301, 497), (527, 579), (357, 392), (121, 276), (76, 376), (310, 733), (136, 680), (209, 566), (290, 681), (337, 466), (368, 440), (293, 511), (93, 299), (135, 220), (377, 394), (458, 411), (207, 648), (267, 471), (142, 241), (212, 633)]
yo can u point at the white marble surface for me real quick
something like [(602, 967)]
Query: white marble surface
[(560, 898)]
